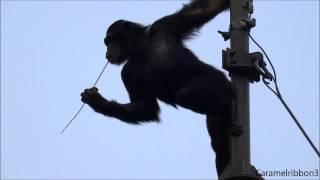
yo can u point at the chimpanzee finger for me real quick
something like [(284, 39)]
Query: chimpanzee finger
[(236, 129), (95, 89), (87, 91), (91, 91), (83, 95)]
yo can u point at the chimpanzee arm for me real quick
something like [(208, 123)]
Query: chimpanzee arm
[(142, 108), (190, 18), (133, 113)]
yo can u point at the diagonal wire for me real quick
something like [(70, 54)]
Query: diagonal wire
[(278, 94), (80, 109)]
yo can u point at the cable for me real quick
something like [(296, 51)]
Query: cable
[(278, 94), (104, 68), (80, 109)]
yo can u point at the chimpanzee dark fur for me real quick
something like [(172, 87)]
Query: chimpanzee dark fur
[(159, 66)]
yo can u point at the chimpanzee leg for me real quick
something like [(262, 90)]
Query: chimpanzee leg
[(220, 141), (208, 96), (205, 95)]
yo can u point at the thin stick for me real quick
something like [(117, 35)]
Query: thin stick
[(74, 117)]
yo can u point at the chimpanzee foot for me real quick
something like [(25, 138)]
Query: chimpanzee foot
[(236, 129)]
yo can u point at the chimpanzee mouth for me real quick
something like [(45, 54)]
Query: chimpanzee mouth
[(108, 56)]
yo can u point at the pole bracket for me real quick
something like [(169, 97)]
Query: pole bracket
[(245, 24), (248, 172), (249, 65)]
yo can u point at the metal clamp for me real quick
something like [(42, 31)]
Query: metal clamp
[(250, 65), (245, 24)]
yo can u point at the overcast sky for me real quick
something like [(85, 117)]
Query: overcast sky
[(52, 50)]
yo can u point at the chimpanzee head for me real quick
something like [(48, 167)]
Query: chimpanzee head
[(119, 40)]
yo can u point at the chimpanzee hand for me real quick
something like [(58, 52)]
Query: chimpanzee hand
[(92, 97)]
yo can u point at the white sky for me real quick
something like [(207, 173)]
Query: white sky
[(51, 51)]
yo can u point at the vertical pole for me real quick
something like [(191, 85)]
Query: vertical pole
[(239, 42), (240, 166)]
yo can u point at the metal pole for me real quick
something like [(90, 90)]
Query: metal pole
[(240, 166)]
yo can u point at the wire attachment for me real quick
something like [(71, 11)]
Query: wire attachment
[(261, 66), (250, 65)]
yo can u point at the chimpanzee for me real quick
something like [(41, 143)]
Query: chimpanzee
[(159, 66)]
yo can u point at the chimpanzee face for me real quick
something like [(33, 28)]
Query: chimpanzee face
[(117, 42)]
